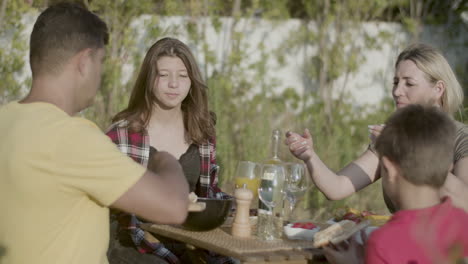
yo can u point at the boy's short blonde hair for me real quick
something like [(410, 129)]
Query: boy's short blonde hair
[(420, 141)]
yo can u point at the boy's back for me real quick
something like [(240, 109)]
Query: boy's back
[(428, 235), (416, 152)]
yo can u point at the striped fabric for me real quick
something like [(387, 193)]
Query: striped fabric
[(461, 142), (136, 146)]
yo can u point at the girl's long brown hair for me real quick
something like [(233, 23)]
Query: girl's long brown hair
[(198, 120)]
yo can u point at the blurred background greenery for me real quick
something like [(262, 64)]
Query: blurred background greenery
[(247, 106)]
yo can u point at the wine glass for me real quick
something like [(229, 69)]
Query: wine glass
[(296, 184), (270, 192)]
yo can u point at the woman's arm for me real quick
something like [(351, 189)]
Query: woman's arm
[(456, 185), (335, 186)]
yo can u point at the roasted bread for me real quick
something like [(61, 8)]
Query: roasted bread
[(337, 232)]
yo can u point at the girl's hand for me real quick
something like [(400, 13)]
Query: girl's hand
[(301, 146)]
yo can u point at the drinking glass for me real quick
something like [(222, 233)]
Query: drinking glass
[(297, 183), (270, 193), (248, 173)]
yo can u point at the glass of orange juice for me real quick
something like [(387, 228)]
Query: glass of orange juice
[(247, 173)]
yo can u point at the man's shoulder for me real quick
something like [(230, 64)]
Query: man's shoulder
[(78, 125), (36, 112), (41, 118), (8, 106)]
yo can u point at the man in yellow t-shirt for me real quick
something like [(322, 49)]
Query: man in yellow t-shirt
[(60, 173)]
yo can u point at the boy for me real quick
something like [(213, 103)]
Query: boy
[(415, 151)]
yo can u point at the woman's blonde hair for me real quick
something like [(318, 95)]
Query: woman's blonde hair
[(436, 68)]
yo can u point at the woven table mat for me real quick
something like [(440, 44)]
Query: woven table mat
[(221, 241)]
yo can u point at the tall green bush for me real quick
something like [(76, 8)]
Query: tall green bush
[(13, 49), (241, 92)]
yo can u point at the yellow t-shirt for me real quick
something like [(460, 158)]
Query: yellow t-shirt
[(58, 174)]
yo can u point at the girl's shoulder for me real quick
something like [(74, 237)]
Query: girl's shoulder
[(121, 124)]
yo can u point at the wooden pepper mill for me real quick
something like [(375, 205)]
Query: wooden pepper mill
[(241, 225)]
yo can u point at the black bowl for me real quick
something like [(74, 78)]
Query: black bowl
[(214, 215)]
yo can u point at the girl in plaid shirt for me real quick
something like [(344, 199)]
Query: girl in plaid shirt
[(167, 111)]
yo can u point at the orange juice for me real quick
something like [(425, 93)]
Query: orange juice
[(252, 184)]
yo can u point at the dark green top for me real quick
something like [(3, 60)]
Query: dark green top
[(190, 162)]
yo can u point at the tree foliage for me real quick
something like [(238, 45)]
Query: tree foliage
[(241, 92), (13, 49)]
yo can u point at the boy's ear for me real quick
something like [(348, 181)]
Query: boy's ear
[(391, 168)]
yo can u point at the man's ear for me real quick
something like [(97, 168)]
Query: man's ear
[(391, 168), (84, 58)]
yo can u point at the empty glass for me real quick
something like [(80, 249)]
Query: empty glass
[(297, 183)]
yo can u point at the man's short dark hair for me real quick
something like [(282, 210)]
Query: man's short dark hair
[(60, 32), (420, 140)]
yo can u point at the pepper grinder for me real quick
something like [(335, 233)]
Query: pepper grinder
[(241, 225)]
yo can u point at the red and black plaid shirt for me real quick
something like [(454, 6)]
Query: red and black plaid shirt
[(136, 146)]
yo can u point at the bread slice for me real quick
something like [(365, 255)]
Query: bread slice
[(338, 232)]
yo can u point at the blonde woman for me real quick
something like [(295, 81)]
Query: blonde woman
[(422, 76)]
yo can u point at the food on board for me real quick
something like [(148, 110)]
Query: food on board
[(192, 197), (338, 232), (358, 216), (304, 225)]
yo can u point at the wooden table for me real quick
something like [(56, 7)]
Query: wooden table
[(247, 250)]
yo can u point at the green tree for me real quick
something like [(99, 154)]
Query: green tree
[(114, 92), (338, 125), (13, 49), (241, 92)]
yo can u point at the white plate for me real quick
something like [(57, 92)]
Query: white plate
[(300, 233)]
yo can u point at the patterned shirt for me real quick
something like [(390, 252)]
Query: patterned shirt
[(461, 141), (136, 145)]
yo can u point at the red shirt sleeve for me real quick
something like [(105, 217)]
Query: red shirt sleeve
[(374, 252)]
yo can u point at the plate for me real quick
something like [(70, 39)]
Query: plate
[(300, 233)]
